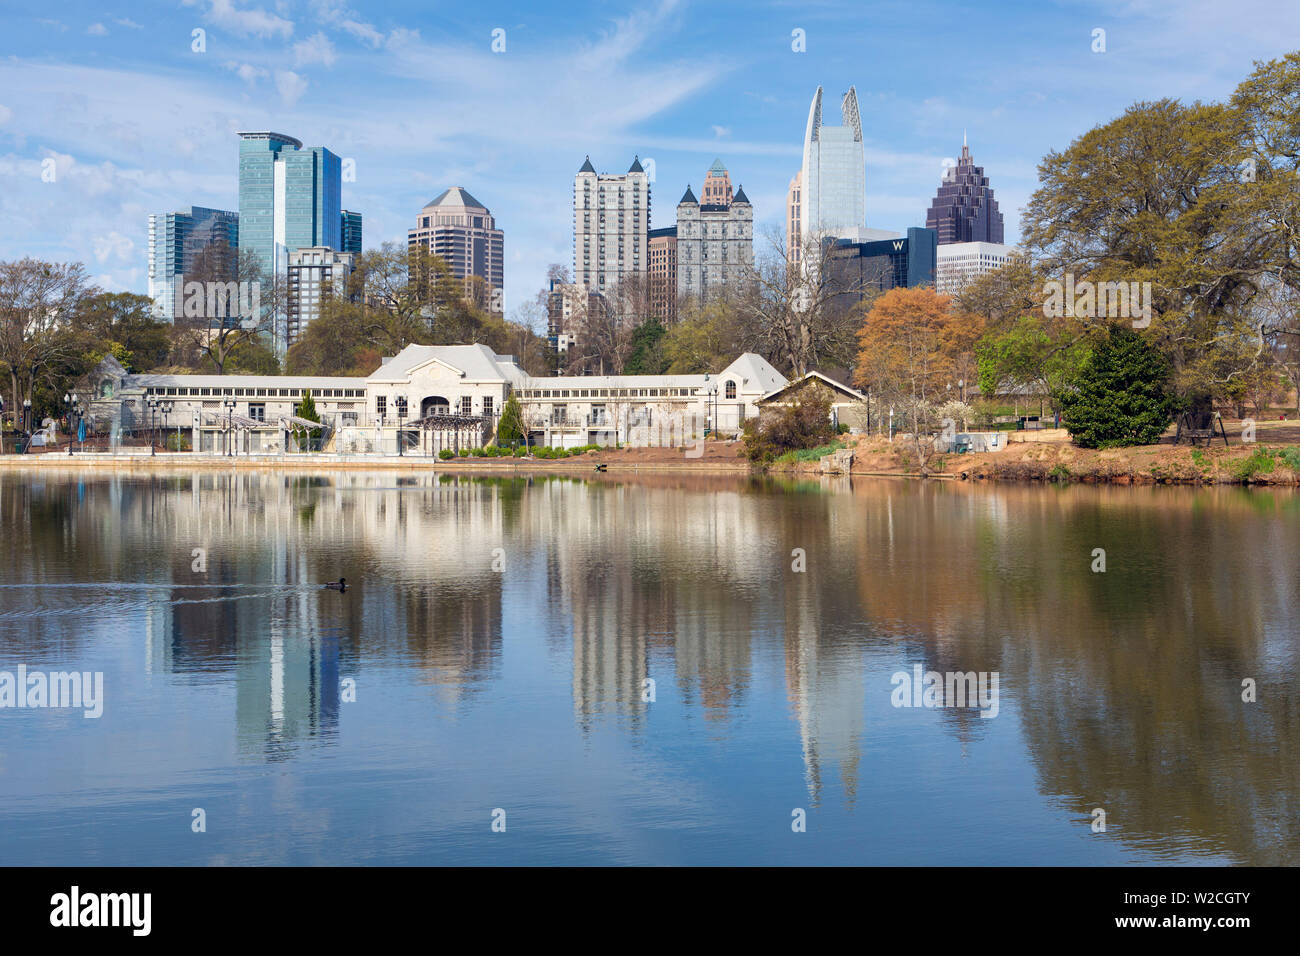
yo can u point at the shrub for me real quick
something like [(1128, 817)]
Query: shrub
[(520, 452), (803, 425), (446, 453), (464, 453)]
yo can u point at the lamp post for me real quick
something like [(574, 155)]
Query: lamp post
[(67, 403), (152, 404), (401, 417), (230, 412), (166, 408), (27, 414), (891, 424)]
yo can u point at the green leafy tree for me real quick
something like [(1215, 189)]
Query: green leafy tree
[(1121, 395), (307, 410), (122, 324), (511, 427), (646, 356)]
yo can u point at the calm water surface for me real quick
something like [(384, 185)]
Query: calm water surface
[(500, 634)]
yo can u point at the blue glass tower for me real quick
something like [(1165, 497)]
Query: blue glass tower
[(351, 226), (289, 198), (175, 241)]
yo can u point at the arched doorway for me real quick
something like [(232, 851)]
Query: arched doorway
[(434, 405)]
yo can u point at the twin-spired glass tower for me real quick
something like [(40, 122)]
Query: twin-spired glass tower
[(833, 180)]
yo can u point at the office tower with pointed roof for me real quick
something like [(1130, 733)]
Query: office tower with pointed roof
[(611, 224), (717, 186), (461, 230), (833, 179), (715, 238), (964, 209)]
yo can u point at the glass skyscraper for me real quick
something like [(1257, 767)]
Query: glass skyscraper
[(351, 231), (175, 241), (834, 173), (289, 198)]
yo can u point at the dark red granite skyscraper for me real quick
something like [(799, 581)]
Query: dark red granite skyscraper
[(964, 209)]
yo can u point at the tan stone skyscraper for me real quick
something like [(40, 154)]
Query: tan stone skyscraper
[(461, 230)]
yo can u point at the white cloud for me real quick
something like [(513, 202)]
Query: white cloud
[(246, 71), (291, 86), (114, 246), (97, 30), (6, 114), (721, 131), (250, 22), (317, 48), (128, 23), (363, 31)]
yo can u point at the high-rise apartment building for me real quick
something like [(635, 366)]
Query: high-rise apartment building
[(833, 179), (715, 241), (314, 274), (794, 218), (461, 231), (569, 305), (611, 222), (663, 274), (957, 263), (175, 241), (350, 231), (964, 209), (289, 198)]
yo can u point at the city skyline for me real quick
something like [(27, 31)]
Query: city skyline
[(93, 92)]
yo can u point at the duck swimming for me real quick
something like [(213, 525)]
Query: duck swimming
[(339, 585)]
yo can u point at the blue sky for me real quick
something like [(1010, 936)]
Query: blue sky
[(137, 122)]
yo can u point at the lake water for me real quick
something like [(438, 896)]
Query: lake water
[(492, 660)]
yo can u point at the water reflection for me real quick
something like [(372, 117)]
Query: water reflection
[(684, 596)]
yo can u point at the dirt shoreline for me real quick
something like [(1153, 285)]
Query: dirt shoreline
[(1267, 461)]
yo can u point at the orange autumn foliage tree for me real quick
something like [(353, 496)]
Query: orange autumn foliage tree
[(913, 345)]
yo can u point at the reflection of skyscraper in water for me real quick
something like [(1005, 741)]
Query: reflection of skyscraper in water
[(454, 630), (827, 691), (609, 648), (287, 689)]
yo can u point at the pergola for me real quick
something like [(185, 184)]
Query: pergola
[(231, 423), (444, 430)]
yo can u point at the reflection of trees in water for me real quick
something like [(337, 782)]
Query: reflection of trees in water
[(1127, 683)]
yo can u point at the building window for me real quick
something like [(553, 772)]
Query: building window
[(466, 405), (400, 402), (257, 411), (487, 405), (731, 389), (381, 405)]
